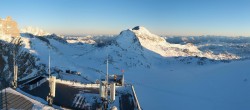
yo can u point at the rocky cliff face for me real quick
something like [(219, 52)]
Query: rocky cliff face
[(9, 27), (26, 62)]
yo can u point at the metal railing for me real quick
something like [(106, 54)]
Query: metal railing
[(135, 98)]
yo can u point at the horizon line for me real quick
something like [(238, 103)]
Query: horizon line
[(112, 34)]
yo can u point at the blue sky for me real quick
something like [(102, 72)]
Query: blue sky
[(162, 17)]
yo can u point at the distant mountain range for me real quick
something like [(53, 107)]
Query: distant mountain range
[(131, 48), (169, 69)]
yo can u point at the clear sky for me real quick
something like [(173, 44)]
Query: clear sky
[(162, 17)]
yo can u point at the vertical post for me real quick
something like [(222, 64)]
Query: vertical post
[(112, 92), (6, 100), (52, 93), (49, 62), (123, 79), (103, 90), (107, 74), (15, 71), (15, 75), (52, 85)]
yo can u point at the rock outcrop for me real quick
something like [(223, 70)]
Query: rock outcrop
[(9, 27)]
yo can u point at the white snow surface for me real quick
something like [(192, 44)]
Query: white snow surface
[(160, 81), (6, 38), (192, 87)]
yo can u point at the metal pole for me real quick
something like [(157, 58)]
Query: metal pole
[(6, 100), (49, 62), (14, 66), (107, 74)]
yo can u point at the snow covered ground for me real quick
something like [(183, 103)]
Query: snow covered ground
[(196, 80), (191, 87)]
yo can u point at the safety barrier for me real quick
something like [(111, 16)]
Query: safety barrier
[(78, 84), (135, 99), (33, 86)]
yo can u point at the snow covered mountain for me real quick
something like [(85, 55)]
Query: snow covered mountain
[(35, 31), (159, 45), (217, 44), (166, 75), (133, 48)]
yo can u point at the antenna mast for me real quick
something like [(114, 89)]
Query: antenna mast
[(107, 74), (52, 86), (15, 65), (49, 62)]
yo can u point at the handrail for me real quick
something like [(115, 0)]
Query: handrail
[(137, 102)]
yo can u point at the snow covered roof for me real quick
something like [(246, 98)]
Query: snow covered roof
[(12, 99), (82, 96)]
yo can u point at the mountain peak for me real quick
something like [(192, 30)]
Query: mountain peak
[(139, 35), (139, 28), (144, 34), (35, 31)]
